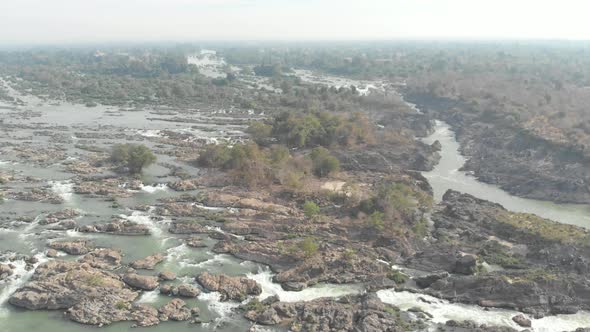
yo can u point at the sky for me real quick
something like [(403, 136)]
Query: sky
[(75, 21)]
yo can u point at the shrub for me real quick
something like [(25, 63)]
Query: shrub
[(311, 209), (121, 305), (260, 132), (214, 156), (134, 157), (397, 276), (376, 220), (309, 246), (95, 280), (323, 162)]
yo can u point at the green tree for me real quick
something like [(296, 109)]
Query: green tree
[(135, 157), (259, 131), (323, 162)]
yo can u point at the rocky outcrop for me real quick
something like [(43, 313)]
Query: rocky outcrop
[(63, 285), (104, 259), (503, 152), (195, 242), (176, 310), (185, 185), (388, 158), (362, 313), (95, 187), (77, 247), (187, 227), (537, 293), (427, 280), (36, 195), (5, 271), (228, 200), (167, 275), (522, 320), (231, 288), (148, 263), (140, 281), (183, 290), (117, 227), (59, 216)]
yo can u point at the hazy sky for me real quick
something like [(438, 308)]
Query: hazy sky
[(48, 21)]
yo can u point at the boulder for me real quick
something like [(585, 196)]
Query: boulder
[(148, 263), (522, 320), (427, 280), (105, 259), (52, 253), (231, 288), (175, 310), (466, 264), (5, 271), (185, 290), (77, 247), (167, 276), (195, 242), (62, 285), (140, 281)]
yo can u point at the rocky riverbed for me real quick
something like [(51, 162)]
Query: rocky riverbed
[(180, 247)]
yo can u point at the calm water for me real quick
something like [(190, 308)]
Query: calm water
[(446, 175)]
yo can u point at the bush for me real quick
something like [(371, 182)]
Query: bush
[(214, 156), (397, 276), (134, 157), (376, 220), (311, 209), (309, 246), (247, 163), (324, 163), (260, 132)]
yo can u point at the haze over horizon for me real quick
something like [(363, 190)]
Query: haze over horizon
[(74, 21)]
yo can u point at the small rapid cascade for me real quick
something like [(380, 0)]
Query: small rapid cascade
[(18, 278), (149, 297), (443, 311), (145, 218), (63, 189), (154, 188), (223, 309), (270, 288)]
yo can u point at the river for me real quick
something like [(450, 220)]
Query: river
[(446, 175), (146, 126)]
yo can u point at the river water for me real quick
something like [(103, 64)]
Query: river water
[(35, 124), (447, 175), (147, 126)]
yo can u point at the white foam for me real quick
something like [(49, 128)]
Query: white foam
[(74, 233), (443, 311), (26, 232), (218, 259), (221, 231), (269, 288), (150, 133), (153, 189), (208, 208), (63, 189), (19, 277), (144, 218), (149, 297), (223, 309)]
